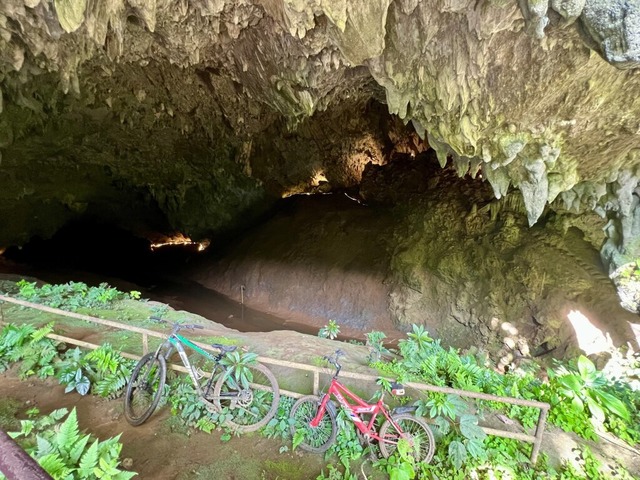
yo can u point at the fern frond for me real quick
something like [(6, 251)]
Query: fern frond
[(44, 446), (54, 465), (68, 434), (89, 461), (42, 332), (78, 449)]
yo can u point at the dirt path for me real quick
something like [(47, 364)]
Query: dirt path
[(161, 448)]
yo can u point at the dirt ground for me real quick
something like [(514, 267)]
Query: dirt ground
[(161, 448)]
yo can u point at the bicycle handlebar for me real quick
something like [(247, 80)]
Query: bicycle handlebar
[(176, 327), (333, 359)]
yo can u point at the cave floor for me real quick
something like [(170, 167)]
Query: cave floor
[(195, 454)]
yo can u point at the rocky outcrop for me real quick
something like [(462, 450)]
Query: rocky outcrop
[(432, 250), (204, 112)]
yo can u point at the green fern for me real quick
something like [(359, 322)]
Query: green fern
[(78, 449), (105, 358), (42, 332), (89, 461), (68, 434), (55, 466), (62, 450)]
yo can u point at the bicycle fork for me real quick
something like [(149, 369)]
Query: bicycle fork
[(324, 404)]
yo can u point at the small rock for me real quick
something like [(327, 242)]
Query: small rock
[(127, 463)]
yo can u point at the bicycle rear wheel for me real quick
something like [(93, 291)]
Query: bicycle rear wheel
[(312, 439), (415, 430), (144, 389), (251, 406)]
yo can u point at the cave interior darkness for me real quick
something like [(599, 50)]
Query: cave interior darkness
[(370, 231)]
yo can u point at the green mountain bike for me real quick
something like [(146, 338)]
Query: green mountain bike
[(237, 384)]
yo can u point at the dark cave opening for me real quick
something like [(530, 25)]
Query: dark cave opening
[(101, 248)]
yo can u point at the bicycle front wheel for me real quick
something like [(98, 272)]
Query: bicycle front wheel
[(414, 430), (144, 389), (312, 439), (250, 406)]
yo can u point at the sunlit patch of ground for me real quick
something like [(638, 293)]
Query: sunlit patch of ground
[(635, 328), (590, 338)]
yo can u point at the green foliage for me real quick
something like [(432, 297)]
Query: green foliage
[(71, 296), (401, 465), (575, 394), (279, 425), (236, 363), (28, 345), (347, 445), (186, 404), (66, 453), (112, 370), (586, 389), (333, 473), (159, 311), (331, 331), (103, 370), (376, 347), (440, 405), (71, 372)]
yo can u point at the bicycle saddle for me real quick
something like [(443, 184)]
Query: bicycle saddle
[(224, 348)]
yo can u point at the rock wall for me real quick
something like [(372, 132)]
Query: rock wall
[(426, 247), (182, 101)]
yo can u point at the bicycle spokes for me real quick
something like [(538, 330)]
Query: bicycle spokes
[(314, 437), (249, 396), (414, 430)]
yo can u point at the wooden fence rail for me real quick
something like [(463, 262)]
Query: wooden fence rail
[(535, 439)]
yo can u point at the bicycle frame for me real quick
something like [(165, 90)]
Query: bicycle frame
[(354, 410), (177, 342)]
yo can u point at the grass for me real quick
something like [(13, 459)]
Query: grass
[(9, 408), (234, 466), (283, 470)]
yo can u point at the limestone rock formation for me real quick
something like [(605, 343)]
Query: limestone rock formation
[(198, 115), (432, 250), (203, 111)]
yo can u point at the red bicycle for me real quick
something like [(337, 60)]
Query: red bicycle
[(314, 420)]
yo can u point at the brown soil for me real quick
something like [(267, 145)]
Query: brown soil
[(161, 448)]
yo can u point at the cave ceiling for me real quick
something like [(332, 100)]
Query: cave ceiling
[(198, 115)]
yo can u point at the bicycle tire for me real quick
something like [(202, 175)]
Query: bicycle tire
[(152, 390), (413, 427), (251, 408), (320, 438)]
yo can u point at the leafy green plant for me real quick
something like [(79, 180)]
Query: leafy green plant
[(465, 437), (331, 331), (64, 452), (333, 473), (74, 371), (237, 364), (159, 311), (30, 346), (71, 296), (376, 346), (186, 404), (401, 465), (347, 445), (588, 387), (279, 425), (103, 370), (111, 370)]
